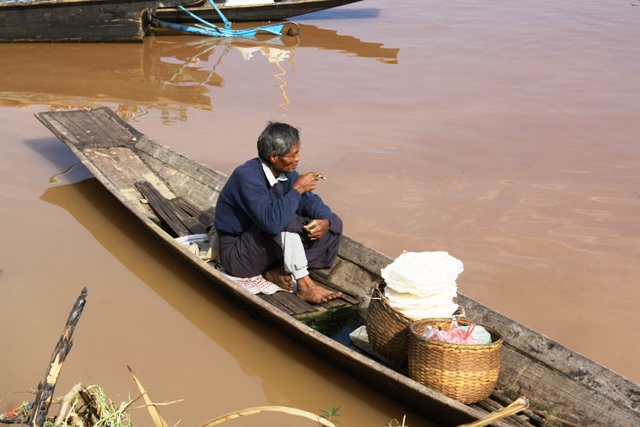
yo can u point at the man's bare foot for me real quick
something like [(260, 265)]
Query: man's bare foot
[(280, 278), (309, 291)]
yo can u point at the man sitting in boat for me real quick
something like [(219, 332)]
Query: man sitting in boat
[(269, 221)]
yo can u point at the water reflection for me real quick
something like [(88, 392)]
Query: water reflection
[(172, 73)]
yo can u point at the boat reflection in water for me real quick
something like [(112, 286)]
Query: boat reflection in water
[(171, 73)]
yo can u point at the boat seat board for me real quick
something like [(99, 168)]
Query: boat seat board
[(288, 302)]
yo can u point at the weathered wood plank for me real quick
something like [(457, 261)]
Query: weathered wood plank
[(124, 167), (76, 20), (324, 280), (162, 209), (174, 216), (295, 304), (200, 185), (202, 216), (84, 128), (350, 278), (280, 302), (47, 387)]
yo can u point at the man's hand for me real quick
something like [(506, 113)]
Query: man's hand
[(317, 228), (307, 182)]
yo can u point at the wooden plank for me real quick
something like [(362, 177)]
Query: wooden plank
[(198, 184), (178, 216), (296, 306), (323, 280), (277, 302), (202, 216), (177, 219), (123, 167), (348, 277), (292, 302), (86, 128), (162, 209), (336, 303)]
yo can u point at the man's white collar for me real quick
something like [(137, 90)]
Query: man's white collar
[(272, 179)]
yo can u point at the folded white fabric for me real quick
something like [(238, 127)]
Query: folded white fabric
[(423, 285)]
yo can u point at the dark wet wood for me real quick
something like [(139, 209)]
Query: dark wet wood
[(203, 217), (46, 388), (77, 20), (294, 306), (181, 222), (560, 383)]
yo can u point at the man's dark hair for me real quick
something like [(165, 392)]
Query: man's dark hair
[(277, 139)]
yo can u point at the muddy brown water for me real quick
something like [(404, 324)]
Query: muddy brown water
[(504, 133)]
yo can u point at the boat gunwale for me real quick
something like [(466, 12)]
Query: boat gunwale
[(278, 11), (149, 4)]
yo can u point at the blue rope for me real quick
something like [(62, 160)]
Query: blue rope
[(196, 17), (214, 31), (227, 24)]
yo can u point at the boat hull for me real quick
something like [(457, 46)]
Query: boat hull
[(278, 11), (76, 21)]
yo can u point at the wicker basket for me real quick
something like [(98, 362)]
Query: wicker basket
[(388, 330), (466, 373)]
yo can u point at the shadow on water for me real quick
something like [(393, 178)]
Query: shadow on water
[(171, 73)]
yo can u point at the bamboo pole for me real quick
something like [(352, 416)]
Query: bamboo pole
[(515, 407), (46, 388), (258, 409)]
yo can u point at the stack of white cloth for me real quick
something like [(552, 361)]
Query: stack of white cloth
[(423, 285)]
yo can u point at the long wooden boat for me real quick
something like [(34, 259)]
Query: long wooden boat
[(78, 20), (277, 10), (174, 196)]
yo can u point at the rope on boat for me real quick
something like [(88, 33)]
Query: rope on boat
[(206, 28)]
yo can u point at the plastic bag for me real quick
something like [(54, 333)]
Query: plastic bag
[(456, 334)]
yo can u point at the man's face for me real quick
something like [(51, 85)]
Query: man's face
[(287, 163)]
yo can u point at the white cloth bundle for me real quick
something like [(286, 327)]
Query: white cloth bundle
[(423, 285)]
